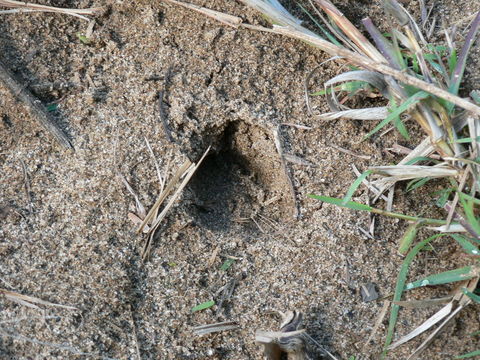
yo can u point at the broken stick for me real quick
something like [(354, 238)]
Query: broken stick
[(36, 108)]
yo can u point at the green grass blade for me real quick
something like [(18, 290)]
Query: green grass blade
[(469, 355), (416, 183), (203, 306), (339, 202), (466, 245), (354, 186), (399, 288), (443, 198), (464, 273), (357, 206), (466, 140), (474, 297), (349, 87), (415, 64), (457, 74), (226, 265), (407, 238), (475, 94), (431, 60), (467, 204), (452, 61), (411, 101), (418, 159), (469, 198), (325, 32), (398, 123)]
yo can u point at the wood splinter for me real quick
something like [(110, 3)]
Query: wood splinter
[(35, 106)]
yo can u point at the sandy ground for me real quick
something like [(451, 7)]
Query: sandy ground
[(64, 232)]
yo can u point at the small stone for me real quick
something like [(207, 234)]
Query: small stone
[(368, 292)]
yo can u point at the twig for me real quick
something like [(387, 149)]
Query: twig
[(135, 333), (278, 145), (330, 355), (226, 19), (298, 126), (161, 179), (141, 212), (349, 152), (227, 292), (34, 105), (27, 186), (163, 117)]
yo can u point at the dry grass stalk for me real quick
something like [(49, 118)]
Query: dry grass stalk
[(31, 301), (418, 304), (187, 170), (214, 328), (163, 195), (21, 6), (378, 322), (225, 19)]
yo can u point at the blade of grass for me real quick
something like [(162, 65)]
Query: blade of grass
[(407, 104), (407, 238), (418, 159), (469, 355), (416, 183), (350, 30), (226, 265), (358, 206), (457, 75), (438, 316), (460, 274), (377, 113), (469, 212), (354, 186), (466, 245), (393, 57), (399, 288), (397, 122), (348, 87), (203, 306), (475, 94), (325, 32), (474, 297)]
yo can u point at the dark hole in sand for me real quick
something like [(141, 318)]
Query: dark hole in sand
[(221, 186)]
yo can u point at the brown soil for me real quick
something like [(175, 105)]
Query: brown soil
[(67, 238)]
